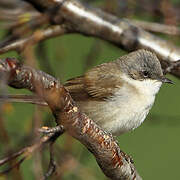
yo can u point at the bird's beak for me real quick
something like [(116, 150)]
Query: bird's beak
[(163, 79)]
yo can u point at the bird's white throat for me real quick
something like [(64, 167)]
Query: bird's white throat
[(147, 87)]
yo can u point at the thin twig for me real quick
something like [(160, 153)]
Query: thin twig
[(157, 27), (27, 151), (16, 165), (52, 163), (173, 66), (13, 156), (36, 37)]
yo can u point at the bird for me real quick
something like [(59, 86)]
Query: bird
[(117, 95)]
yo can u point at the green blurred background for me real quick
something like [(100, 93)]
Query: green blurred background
[(154, 146)]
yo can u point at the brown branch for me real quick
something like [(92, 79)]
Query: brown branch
[(52, 163), (11, 157), (94, 22), (175, 66), (15, 165), (27, 151), (36, 37), (157, 27), (114, 163)]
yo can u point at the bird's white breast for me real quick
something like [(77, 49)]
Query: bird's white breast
[(130, 105), (126, 109)]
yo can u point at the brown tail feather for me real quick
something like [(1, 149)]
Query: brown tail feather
[(23, 98)]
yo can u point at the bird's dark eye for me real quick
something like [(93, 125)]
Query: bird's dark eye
[(145, 74)]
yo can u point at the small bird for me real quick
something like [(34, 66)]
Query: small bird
[(117, 95)]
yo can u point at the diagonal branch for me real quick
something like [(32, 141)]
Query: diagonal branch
[(27, 151), (114, 163), (80, 18), (94, 22), (157, 27), (36, 37)]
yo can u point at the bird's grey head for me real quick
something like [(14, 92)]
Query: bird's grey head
[(142, 65)]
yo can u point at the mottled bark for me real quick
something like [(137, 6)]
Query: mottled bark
[(114, 163)]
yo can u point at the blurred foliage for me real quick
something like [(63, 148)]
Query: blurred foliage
[(154, 146)]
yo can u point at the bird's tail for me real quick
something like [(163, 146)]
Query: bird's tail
[(23, 99)]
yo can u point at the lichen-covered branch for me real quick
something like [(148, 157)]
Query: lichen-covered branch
[(114, 163)]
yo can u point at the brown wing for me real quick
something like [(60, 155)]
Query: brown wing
[(100, 82), (76, 87)]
